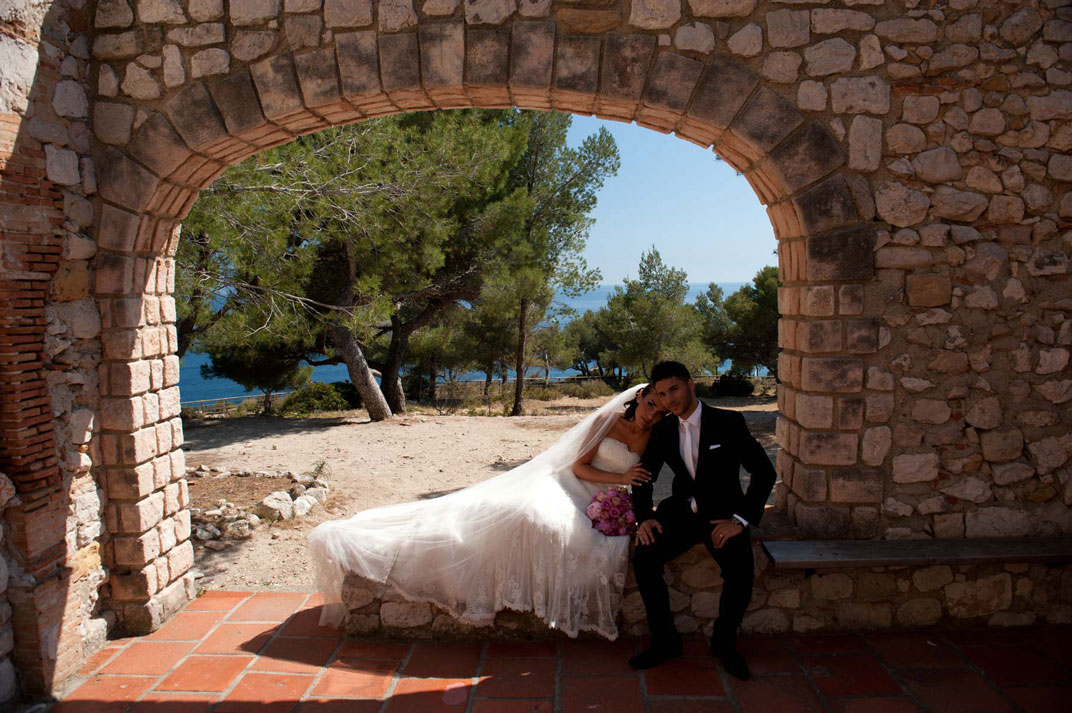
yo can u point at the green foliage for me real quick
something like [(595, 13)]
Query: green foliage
[(744, 326), (586, 389), (257, 366), (312, 398), (727, 385), (348, 392), (648, 321)]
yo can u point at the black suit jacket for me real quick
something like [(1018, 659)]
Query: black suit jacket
[(725, 445)]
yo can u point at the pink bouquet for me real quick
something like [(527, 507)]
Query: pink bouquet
[(611, 512)]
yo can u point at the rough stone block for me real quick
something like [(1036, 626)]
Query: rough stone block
[(158, 147), (348, 13), (124, 182), (442, 54), (577, 64), (118, 229), (625, 65), (1002, 445), (532, 49), (928, 290), (788, 28), (860, 95), (721, 92), (842, 255), (915, 467), (237, 102), (139, 517), (137, 586), (112, 122), (194, 116), (672, 80), (317, 77), (136, 551), (359, 63), (856, 485), (831, 374), (822, 520), (180, 559), (253, 12), (814, 411), (766, 119), (400, 62), (277, 85), (806, 156), (827, 206), (825, 448)]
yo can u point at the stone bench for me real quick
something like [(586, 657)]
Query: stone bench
[(816, 554), (804, 586)]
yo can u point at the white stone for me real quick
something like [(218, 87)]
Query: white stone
[(303, 504), (829, 57), (950, 203), (722, 8), (1051, 361), (788, 28), (161, 11), (481, 12), (919, 612), (320, 494), (968, 488), (276, 506), (435, 7), (939, 165), (654, 14), (19, 62), (984, 413), (249, 45), (81, 426), (107, 81), (358, 13), (140, 83), (253, 12), (70, 100), (860, 95), (982, 597), (209, 33), (81, 317), (205, 10), (405, 614), (1047, 455), (174, 72), (996, 522), (747, 41), (865, 143), (987, 122), (765, 621), (918, 31), (920, 109), (1021, 25), (900, 205), (781, 67), (915, 467), (61, 165), (871, 52), (696, 37), (113, 13), (209, 62), (953, 57)]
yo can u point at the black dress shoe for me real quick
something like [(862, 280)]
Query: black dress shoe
[(734, 663), (655, 655)]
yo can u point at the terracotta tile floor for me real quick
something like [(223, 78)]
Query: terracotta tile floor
[(231, 652)]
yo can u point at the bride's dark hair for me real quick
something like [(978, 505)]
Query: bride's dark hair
[(631, 407)]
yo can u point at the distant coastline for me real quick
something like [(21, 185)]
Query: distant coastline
[(193, 387)]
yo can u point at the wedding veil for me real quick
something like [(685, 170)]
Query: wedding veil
[(458, 551)]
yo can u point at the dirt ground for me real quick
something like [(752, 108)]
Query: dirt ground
[(369, 464)]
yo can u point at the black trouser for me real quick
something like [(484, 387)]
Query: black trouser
[(681, 530)]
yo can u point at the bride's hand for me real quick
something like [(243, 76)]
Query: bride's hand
[(637, 475)]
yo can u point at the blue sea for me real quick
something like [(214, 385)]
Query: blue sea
[(195, 388)]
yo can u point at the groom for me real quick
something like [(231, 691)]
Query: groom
[(705, 448)]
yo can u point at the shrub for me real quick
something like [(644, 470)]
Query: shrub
[(587, 389), (312, 398), (732, 385), (348, 391)]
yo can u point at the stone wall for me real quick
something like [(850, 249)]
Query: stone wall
[(826, 600), (913, 156)]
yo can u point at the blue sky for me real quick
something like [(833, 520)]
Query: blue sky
[(700, 215)]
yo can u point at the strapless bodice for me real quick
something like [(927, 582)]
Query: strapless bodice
[(614, 456)]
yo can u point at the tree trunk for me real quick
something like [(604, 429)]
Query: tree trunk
[(519, 382), (267, 409), (390, 381), (360, 374), (489, 372), (432, 381)]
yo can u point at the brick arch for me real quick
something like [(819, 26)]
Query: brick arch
[(148, 182)]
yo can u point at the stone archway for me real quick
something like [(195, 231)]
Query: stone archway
[(909, 178)]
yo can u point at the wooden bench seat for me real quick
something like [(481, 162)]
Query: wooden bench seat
[(816, 554)]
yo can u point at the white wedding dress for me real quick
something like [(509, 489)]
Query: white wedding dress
[(520, 541)]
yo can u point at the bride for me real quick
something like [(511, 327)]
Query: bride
[(520, 540)]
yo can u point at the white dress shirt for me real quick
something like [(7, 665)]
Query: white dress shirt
[(688, 434)]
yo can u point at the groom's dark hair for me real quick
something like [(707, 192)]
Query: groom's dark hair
[(669, 370)]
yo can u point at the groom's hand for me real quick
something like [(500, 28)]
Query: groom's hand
[(724, 530), (645, 534)]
